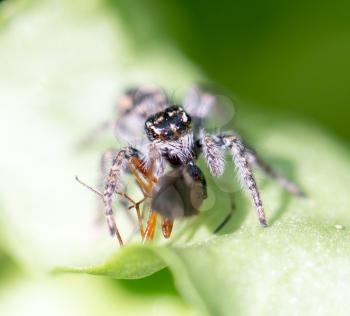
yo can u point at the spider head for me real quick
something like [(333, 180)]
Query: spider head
[(168, 125)]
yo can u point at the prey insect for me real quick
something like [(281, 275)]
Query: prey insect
[(171, 138)]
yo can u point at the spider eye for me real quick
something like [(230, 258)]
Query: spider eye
[(170, 124)]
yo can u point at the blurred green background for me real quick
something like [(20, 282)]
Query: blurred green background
[(62, 65), (288, 56)]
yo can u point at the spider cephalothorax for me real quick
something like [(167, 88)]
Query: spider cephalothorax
[(168, 125), (164, 166)]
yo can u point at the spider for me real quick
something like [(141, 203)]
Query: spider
[(164, 162)]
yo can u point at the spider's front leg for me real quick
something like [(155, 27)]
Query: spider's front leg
[(212, 151), (113, 184)]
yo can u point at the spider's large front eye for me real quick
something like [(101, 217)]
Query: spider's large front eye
[(170, 124)]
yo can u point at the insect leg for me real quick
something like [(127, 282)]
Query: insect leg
[(135, 205), (99, 194), (146, 185), (137, 168), (167, 226), (140, 218), (151, 227)]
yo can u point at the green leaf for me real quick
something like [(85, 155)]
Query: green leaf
[(304, 254), (56, 87), (129, 263), (62, 64)]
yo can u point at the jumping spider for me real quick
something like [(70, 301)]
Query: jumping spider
[(164, 165)]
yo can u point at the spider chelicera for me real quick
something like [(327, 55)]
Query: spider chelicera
[(164, 162)]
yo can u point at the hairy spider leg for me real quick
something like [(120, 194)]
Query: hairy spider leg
[(135, 205), (238, 152), (104, 167), (211, 148), (288, 185), (113, 184), (227, 217)]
